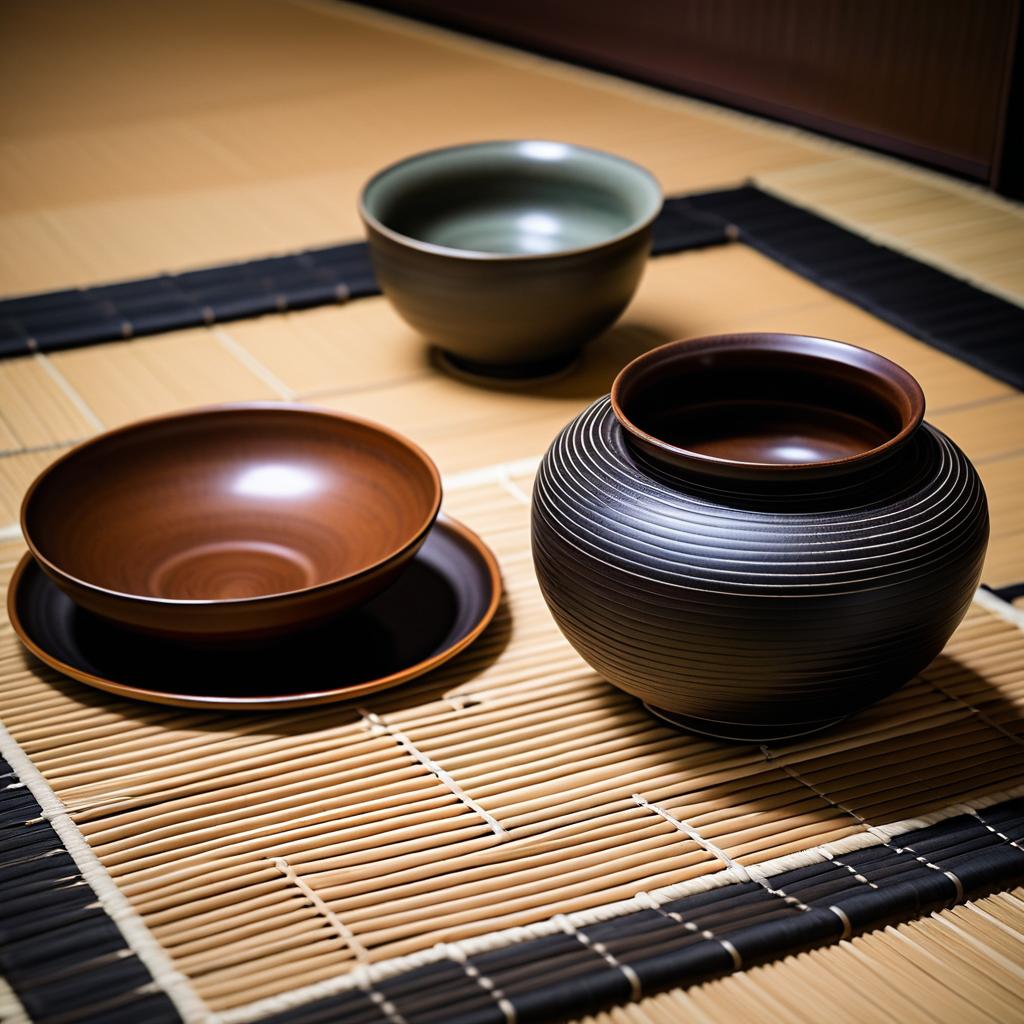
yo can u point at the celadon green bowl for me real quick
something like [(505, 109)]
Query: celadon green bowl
[(510, 256)]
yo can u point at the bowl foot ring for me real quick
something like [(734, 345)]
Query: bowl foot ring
[(518, 374), (739, 732)]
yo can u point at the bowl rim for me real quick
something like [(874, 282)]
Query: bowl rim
[(372, 221), (230, 407), (811, 346), (312, 698)]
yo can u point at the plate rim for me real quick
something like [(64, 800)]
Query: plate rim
[(469, 537)]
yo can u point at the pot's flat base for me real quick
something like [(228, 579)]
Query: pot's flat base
[(518, 373), (738, 732)]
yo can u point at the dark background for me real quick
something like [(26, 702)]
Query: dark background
[(933, 81)]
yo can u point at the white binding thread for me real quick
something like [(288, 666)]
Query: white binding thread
[(882, 833), (458, 955), (461, 701), (705, 844), (635, 988), (647, 902), (316, 901), (841, 914), (745, 874), (69, 392), (492, 474), (511, 487), (251, 363), (1002, 835), (853, 871), (376, 725), (641, 901), (364, 982), (977, 712)]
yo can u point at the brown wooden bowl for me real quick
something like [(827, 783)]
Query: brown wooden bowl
[(231, 522)]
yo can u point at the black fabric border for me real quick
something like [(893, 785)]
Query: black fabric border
[(696, 938), (1009, 593), (938, 308), (67, 961), (51, 321), (62, 955)]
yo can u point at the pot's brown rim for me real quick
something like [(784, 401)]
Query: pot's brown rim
[(292, 700), (827, 349), (500, 257), (230, 407)]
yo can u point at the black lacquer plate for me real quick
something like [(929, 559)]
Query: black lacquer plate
[(439, 605)]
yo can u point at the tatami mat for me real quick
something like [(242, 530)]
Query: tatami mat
[(193, 137), (247, 148)]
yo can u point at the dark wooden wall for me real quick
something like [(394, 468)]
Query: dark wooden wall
[(925, 79)]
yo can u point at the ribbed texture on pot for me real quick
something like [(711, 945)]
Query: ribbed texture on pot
[(788, 606)]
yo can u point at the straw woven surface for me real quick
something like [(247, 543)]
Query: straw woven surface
[(265, 853), (252, 846), (192, 136), (955, 967)]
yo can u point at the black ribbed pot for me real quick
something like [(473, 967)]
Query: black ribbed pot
[(758, 535)]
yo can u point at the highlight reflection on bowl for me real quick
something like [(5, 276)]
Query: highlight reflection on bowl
[(509, 256), (232, 521)]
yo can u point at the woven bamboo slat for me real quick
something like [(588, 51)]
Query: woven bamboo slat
[(266, 852), (244, 841), (956, 966)]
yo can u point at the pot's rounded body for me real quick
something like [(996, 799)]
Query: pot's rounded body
[(754, 609)]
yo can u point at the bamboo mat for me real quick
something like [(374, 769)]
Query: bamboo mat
[(268, 853), (958, 967)]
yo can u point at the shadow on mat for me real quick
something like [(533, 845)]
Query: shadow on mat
[(297, 678), (947, 737), (956, 737), (592, 375)]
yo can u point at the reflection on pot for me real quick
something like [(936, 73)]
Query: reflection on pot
[(758, 534)]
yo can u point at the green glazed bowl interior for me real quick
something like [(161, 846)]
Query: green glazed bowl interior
[(511, 199)]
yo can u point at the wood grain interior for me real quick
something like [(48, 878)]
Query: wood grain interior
[(141, 172)]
